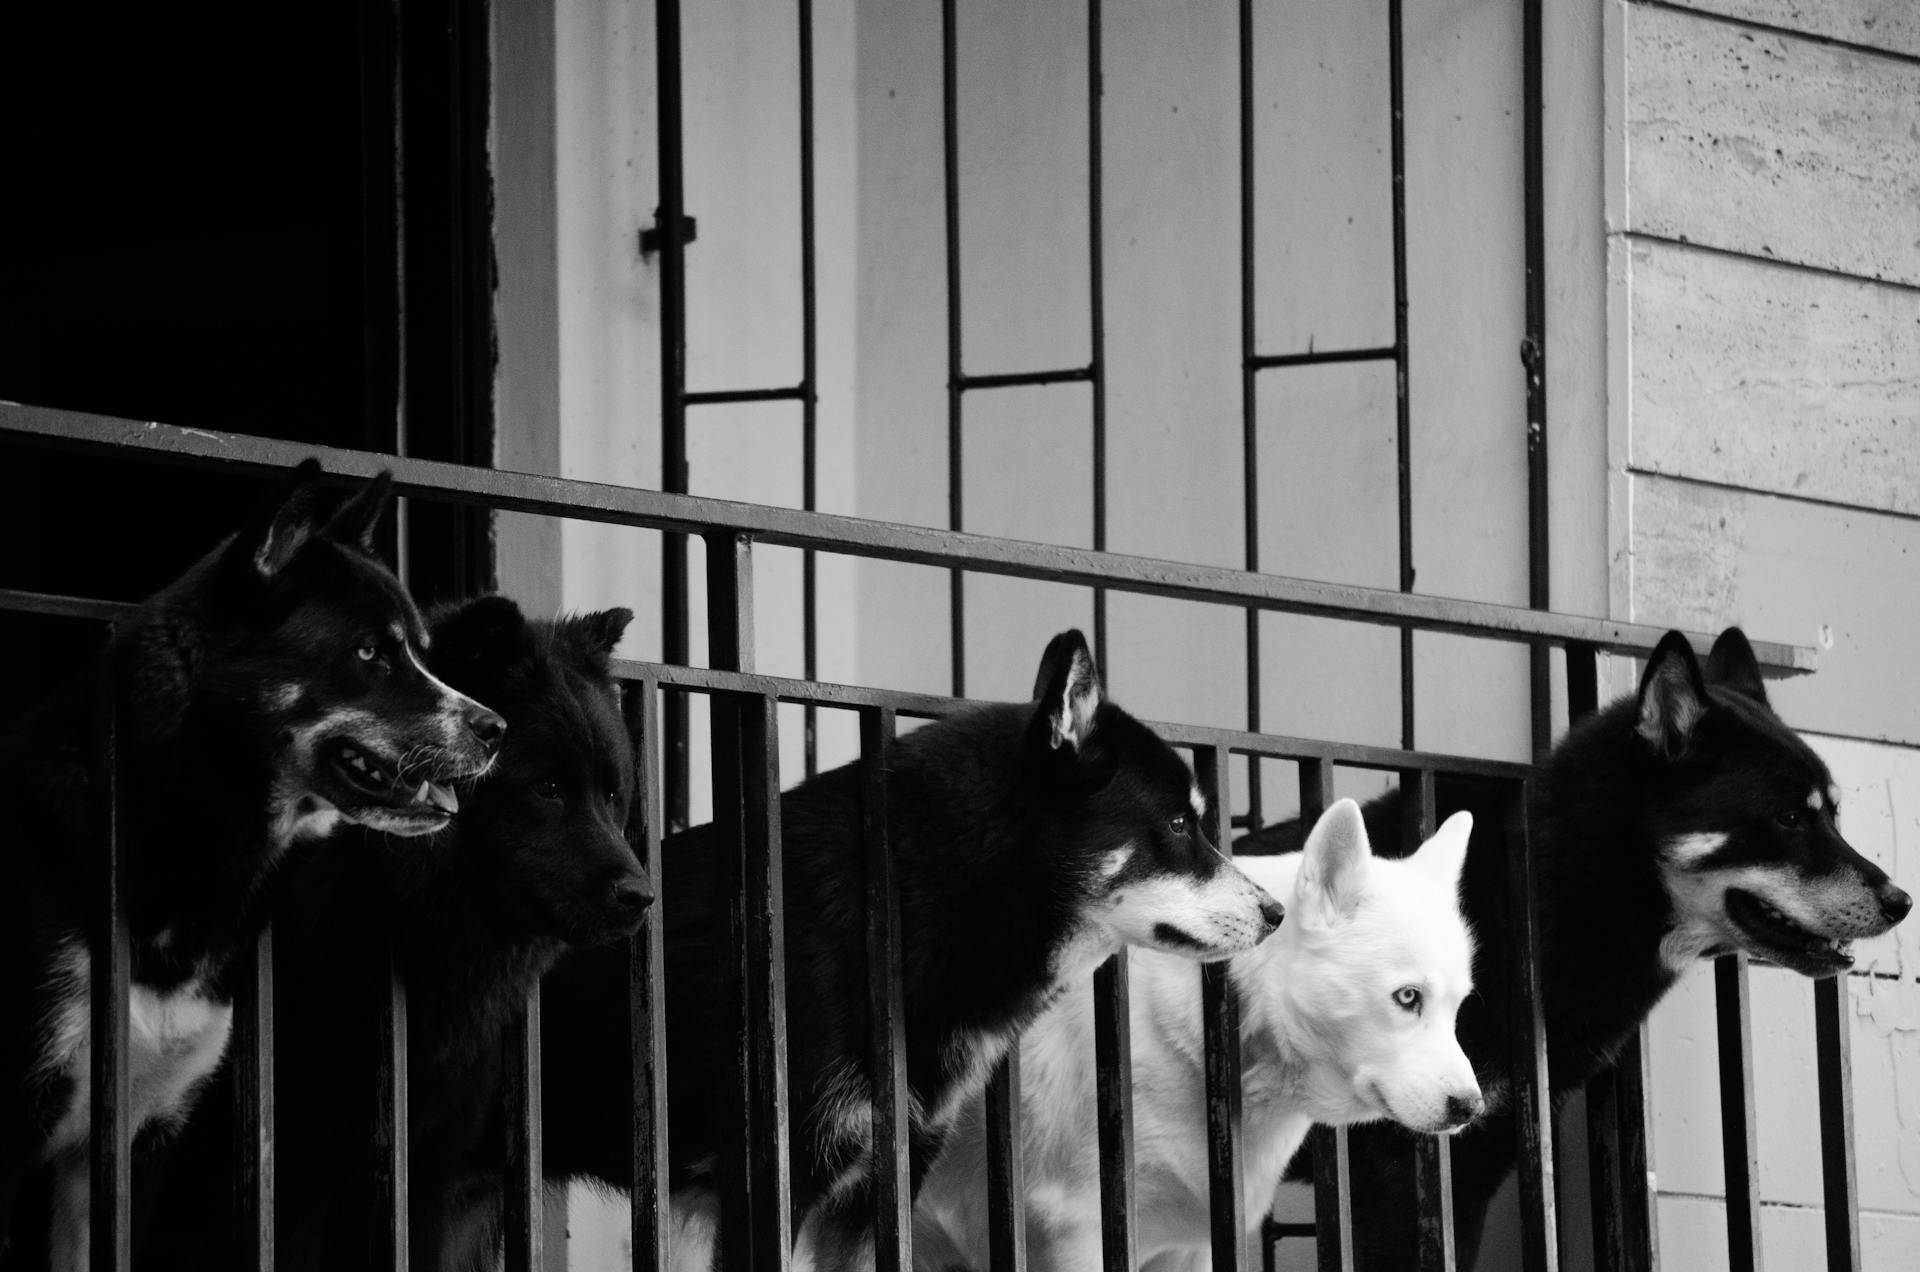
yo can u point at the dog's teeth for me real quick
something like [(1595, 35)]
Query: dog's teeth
[(443, 798), (420, 796), (360, 763)]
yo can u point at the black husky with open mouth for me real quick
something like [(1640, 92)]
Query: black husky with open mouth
[(271, 693)]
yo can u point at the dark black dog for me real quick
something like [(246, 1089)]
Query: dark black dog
[(536, 859), (271, 693), (1684, 822), (1029, 843)]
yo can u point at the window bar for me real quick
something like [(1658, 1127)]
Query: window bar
[(1321, 358), (647, 994), (1733, 1008), (1332, 1186), (728, 397), (950, 155), (1249, 395), (390, 1139), (1532, 1102), (110, 1155), (1833, 1043), (886, 1008), (1006, 1173), (1220, 1025), (670, 224), (523, 1218), (1097, 313), (1533, 359), (810, 386), (1403, 407), (252, 1051), (1433, 1159)]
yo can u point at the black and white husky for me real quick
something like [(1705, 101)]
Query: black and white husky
[(1682, 822), (1029, 843), (537, 860), (269, 694)]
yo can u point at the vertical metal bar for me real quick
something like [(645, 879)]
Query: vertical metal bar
[(110, 1129), (956, 501), (1833, 1044), (1433, 1157), (886, 1007), (1636, 1197), (1403, 408), (766, 986), (1220, 1026), (1097, 316), (252, 1051), (647, 995), (1249, 393), (1006, 1172), (524, 1213), (1332, 1171), (1533, 358), (1113, 1100), (730, 646), (1532, 1104), (670, 221), (809, 389), (390, 1134), (1616, 1106), (1733, 1011)]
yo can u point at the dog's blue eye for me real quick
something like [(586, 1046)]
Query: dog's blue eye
[(1407, 998), (547, 788), (1178, 825), (367, 653)]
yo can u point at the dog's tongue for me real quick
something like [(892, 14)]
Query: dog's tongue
[(441, 797)]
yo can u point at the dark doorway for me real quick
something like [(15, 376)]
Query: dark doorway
[(206, 215)]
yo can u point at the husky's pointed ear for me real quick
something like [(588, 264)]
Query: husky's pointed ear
[(354, 521), (592, 637), (274, 537), (1731, 665), (1445, 855), (1068, 692), (1673, 696), (1333, 867), (476, 643)]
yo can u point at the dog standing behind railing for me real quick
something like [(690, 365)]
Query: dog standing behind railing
[(1677, 824), (1346, 1015), (1029, 843), (266, 696), (536, 860)]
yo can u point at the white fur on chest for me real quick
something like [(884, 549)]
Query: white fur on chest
[(174, 1041)]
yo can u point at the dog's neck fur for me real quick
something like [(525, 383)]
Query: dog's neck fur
[(197, 808), (1016, 902), (1591, 842)]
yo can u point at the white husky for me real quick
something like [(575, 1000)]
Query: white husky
[(1346, 1015)]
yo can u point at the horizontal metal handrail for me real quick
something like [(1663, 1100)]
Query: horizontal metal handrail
[(856, 536)]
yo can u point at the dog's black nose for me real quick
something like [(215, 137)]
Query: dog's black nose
[(486, 725), (1894, 902), (632, 894), (1272, 911), (1461, 1109)]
